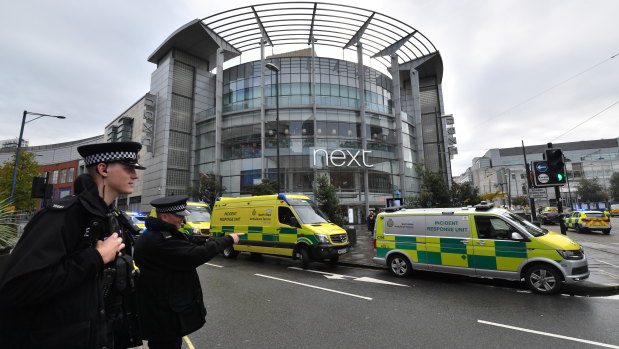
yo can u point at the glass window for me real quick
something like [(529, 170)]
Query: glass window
[(71, 175), (55, 177), (493, 228), (63, 176)]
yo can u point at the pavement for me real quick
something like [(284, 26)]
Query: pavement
[(600, 281)]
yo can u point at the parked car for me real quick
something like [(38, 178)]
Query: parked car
[(582, 221), (550, 217)]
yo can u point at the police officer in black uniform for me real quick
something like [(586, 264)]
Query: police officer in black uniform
[(170, 301), (67, 282)]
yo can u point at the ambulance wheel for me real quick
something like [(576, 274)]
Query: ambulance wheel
[(606, 232), (303, 256), (229, 252), (399, 265), (543, 279)]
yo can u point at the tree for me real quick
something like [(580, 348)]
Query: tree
[(614, 187), (590, 190), (8, 227), (327, 200), (434, 190), (209, 188), (28, 169), (464, 194), (267, 187), (520, 200)]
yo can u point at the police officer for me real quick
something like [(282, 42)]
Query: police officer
[(52, 287), (170, 301)]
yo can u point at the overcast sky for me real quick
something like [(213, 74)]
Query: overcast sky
[(513, 70)]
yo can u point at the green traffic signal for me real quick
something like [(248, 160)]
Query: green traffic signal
[(560, 177)]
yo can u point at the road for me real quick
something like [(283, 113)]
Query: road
[(602, 250), (267, 302)]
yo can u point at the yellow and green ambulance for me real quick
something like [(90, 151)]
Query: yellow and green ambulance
[(478, 241), (284, 224)]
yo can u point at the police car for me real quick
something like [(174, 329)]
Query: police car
[(585, 221)]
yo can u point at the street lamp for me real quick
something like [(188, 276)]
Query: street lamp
[(21, 134), (273, 67)]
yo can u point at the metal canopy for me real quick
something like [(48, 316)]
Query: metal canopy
[(331, 25)]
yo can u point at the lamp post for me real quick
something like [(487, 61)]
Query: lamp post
[(273, 67), (21, 134)]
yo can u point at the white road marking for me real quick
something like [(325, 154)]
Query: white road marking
[(549, 334), (333, 276), (214, 265), (615, 276), (312, 286), (616, 266)]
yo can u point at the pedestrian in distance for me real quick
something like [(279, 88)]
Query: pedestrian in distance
[(170, 301), (67, 282), (371, 221)]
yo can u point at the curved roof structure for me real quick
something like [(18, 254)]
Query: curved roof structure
[(299, 23)]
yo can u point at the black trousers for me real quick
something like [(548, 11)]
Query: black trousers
[(168, 343)]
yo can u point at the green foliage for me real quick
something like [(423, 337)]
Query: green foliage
[(614, 187), (8, 227), (267, 187), (590, 190), (464, 195), (209, 189), (434, 191), (28, 169), (520, 200), (327, 201)]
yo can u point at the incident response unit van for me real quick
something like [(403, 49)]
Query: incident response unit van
[(283, 224), (482, 241), (198, 223)]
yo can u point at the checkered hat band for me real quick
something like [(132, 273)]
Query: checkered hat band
[(110, 157), (171, 209)]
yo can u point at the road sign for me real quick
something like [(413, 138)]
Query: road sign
[(538, 193), (543, 178), (541, 166)]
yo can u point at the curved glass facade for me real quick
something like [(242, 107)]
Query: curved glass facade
[(325, 138)]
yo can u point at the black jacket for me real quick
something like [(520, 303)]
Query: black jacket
[(50, 291), (170, 301)]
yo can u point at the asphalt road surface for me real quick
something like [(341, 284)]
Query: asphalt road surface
[(268, 302)]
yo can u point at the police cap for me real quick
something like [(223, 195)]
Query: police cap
[(123, 152), (176, 204)]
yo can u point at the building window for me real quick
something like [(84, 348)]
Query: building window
[(55, 177), (70, 175), (63, 176)]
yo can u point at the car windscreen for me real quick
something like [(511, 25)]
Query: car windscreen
[(308, 212), (523, 223), (198, 214)]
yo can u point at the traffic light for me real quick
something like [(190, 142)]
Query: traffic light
[(556, 167)]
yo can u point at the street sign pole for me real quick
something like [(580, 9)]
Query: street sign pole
[(529, 185)]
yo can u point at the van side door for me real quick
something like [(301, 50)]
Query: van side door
[(449, 244), (495, 252)]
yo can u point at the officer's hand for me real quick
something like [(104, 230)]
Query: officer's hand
[(110, 247), (235, 237)]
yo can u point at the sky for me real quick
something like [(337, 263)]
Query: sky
[(514, 70)]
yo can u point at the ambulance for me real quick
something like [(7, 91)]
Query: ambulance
[(480, 241), (284, 224)]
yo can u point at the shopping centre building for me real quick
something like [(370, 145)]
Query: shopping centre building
[(215, 107)]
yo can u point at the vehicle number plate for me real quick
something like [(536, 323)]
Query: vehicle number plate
[(342, 251)]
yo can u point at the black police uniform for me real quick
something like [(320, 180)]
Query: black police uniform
[(51, 286), (170, 301)]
